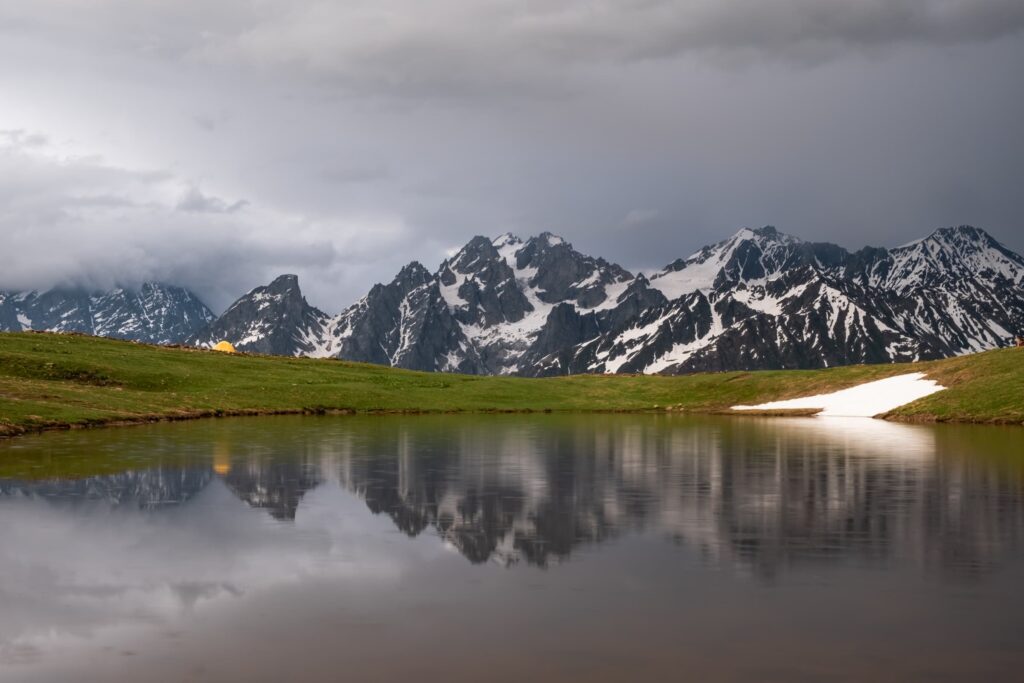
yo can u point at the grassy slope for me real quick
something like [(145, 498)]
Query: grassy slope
[(52, 381)]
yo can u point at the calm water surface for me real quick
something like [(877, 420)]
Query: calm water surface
[(596, 548)]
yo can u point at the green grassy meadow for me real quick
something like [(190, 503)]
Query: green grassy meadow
[(52, 381)]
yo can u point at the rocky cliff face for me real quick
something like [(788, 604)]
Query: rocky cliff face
[(273, 319), (155, 313), (760, 299), (405, 324)]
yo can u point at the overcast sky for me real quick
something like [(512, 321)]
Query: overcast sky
[(216, 144)]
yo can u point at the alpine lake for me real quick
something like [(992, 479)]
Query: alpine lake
[(514, 548)]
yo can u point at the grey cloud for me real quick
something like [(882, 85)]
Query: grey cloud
[(790, 27), (80, 222), (453, 48), (367, 133), (639, 218), (207, 123), (351, 175), (22, 138), (196, 202)]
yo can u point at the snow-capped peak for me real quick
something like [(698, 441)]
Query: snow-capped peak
[(747, 255), (505, 239), (963, 252)]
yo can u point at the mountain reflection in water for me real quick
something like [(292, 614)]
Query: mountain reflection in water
[(103, 529), (757, 493)]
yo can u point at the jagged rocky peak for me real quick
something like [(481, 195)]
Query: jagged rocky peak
[(479, 253), (412, 276), (963, 251), (506, 239), (750, 256), (283, 288), (560, 273), (962, 236), (479, 284), (747, 255), (539, 245), (406, 323), (272, 319), (287, 284)]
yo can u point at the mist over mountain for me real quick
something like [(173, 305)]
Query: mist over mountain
[(154, 313)]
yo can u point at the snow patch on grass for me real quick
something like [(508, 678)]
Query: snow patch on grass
[(864, 400)]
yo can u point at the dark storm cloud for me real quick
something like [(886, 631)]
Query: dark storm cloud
[(453, 48), (502, 47), (218, 144)]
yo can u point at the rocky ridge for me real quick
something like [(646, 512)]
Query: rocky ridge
[(760, 299)]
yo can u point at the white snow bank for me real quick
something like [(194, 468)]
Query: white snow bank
[(865, 400)]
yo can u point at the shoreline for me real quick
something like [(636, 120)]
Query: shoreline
[(56, 382), (14, 432)]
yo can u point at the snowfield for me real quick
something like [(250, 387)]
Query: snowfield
[(865, 400)]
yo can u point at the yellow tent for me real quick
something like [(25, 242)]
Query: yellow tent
[(224, 346)]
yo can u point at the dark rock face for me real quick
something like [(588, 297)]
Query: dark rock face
[(760, 299), (777, 302), (405, 324), (155, 313), (484, 309), (563, 274), (273, 319), (484, 286)]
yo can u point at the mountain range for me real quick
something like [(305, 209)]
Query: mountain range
[(760, 299), (154, 313)]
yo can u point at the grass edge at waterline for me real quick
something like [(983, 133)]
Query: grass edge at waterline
[(58, 381)]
